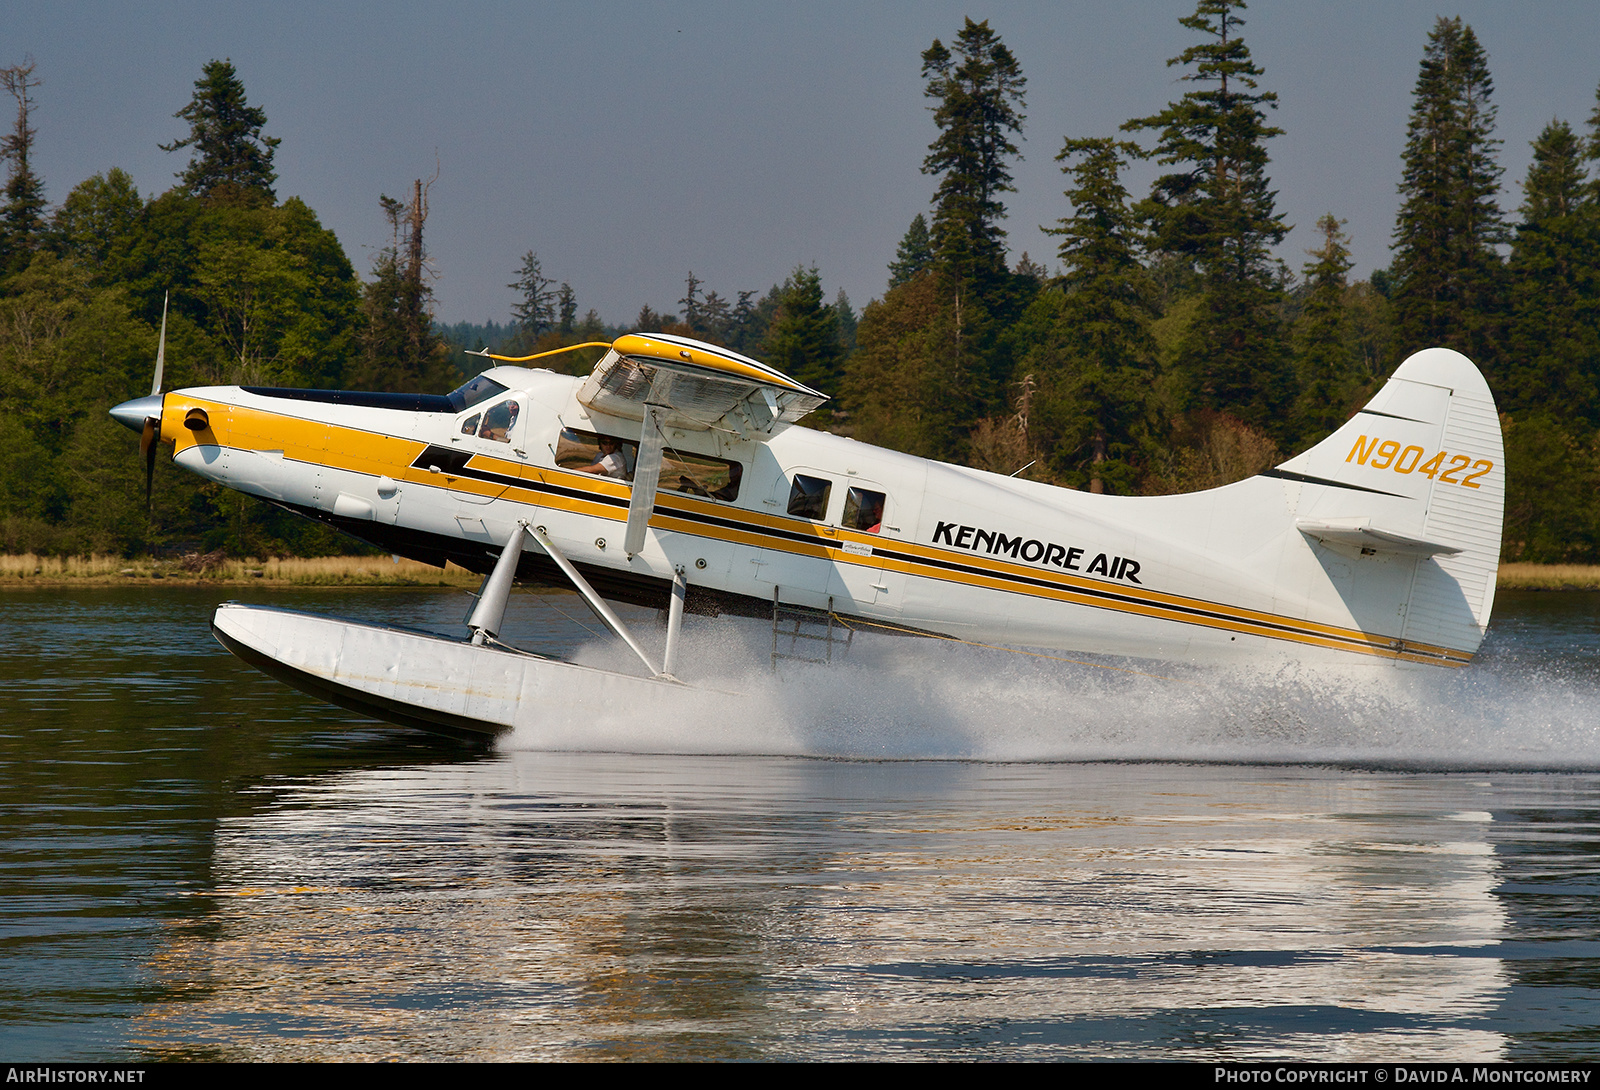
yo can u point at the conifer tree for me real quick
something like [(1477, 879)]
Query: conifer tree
[(1094, 359), (1030, 269), (535, 309), (747, 325), (930, 358), (1448, 275), (232, 160), (691, 300), (1553, 362), (1322, 336), (22, 216), (979, 94), (1549, 384), (1555, 185), (899, 388), (650, 321), (977, 90), (715, 319), (591, 328), (1218, 212), (1591, 146), (848, 320), (708, 315), (914, 254), (566, 309), (803, 341)]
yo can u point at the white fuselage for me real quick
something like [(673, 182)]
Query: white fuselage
[(958, 552)]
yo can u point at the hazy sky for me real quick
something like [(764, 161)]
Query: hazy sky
[(628, 143)]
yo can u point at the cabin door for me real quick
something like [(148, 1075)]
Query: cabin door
[(859, 574), (485, 454)]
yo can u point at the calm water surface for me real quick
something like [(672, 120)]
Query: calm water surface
[(929, 852)]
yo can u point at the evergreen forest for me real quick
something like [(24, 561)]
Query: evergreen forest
[(1169, 349)]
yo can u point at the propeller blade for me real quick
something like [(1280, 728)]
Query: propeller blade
[(149, 443), (161, 347)]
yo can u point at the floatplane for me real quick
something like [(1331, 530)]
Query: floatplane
[(677, 475)]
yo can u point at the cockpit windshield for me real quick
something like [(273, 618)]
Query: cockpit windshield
[(473, 391)]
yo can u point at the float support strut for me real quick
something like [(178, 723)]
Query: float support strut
[(490, 610), (680, 589), (595, 602)]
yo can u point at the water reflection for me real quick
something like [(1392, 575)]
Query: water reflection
[(560, 906)]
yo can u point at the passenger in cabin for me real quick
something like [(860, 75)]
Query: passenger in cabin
[(609, 462), (871, 519), (730, 491), (863, 510)]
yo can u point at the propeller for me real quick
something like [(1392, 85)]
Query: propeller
[(161, 347), (150, 437), (149, 440), (143, 414)]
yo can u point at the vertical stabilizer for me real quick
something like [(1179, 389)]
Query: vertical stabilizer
[(1416, 478)]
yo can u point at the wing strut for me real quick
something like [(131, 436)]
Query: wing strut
[(646, 478)]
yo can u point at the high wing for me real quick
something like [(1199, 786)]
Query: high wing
[(697, 385), (664, 382)]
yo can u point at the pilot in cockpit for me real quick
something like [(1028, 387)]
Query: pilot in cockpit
[(498, 422), (609, 462)]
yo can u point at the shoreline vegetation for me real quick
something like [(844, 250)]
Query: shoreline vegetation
[(215, 569), (1548, 576)]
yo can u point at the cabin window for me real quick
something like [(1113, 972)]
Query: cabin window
[(498, 422), (469, 426), (712, 478), (808, 497), (472, 392), (606, 455), (863, 510)]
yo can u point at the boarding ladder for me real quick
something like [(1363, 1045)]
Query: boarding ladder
[(795, 623)]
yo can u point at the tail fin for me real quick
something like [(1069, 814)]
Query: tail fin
[(1417, 476)]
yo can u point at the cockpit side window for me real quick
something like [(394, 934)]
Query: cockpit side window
[(469, 426), (498, 422)]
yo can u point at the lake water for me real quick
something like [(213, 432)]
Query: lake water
[(931, 851)]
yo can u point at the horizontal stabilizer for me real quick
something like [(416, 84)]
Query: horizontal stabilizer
[(1368, 538)]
